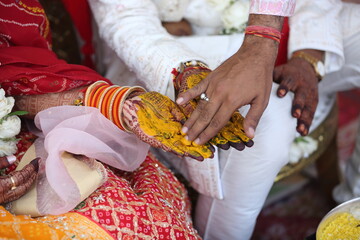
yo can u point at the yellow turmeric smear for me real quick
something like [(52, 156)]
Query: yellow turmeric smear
[(194, 80), (342, 226), (238, 120), (157, 119)]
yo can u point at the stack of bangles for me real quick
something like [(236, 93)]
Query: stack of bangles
[(110, 99), (265, 32)]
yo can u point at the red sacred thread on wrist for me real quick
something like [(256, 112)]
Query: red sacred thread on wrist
[(265, 32)]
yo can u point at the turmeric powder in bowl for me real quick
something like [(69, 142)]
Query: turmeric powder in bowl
[(344, 225)]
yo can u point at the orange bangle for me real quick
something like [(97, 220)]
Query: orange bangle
[(104, 102), (90, 90), (96, 95), (111, 102), (115, 111)]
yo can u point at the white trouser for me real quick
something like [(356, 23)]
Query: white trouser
[(247, 176)]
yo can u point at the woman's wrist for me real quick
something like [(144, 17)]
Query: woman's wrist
[(110, 99), (36, 103)]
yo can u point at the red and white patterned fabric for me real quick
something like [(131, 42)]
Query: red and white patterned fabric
[(149, 203)]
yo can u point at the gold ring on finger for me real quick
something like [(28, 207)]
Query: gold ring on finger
[(13, 183)]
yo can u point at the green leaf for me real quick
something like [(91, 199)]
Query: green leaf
[(18, 113), (301, 139)]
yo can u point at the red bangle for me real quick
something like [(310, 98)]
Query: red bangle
[(265, 32)]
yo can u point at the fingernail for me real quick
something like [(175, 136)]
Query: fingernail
[(251, 132), (197, 141), (35, 163), (11, 159), (179, 100), (249, 143), (186, 138), (297, 113), (302, 127), (184, 130), (282, 92)]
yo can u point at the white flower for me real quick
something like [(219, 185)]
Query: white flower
[(302, 147), (219, 5), (6, 104), (308, 145), (236, 15), (295, 153), (7, 148), (10, 127)]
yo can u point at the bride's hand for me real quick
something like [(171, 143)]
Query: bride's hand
[(157, 120), (232, 134), (17, 183)]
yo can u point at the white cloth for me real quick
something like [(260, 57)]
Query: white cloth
[(316, 25), (350, 187), (347, 78), (133, 31)]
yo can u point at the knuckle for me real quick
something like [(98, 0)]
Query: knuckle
[(215, 123)]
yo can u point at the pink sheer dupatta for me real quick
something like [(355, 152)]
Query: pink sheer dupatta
[(83, 131)]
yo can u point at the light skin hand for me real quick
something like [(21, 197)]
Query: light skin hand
[(245, 78), (298, 76)]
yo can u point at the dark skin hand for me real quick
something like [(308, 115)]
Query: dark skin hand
[(4, 162), (182, 28), (17, 183), (298, 76), (245, 78), (352, 1)]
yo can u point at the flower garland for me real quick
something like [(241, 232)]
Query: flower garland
[(234, 14), (10, 125), (302, 147)]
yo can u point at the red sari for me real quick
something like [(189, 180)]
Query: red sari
[(149, 203)]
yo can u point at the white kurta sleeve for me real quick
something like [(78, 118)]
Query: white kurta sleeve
[(316, 25), (273, 7), (133, 30), (171, 10)]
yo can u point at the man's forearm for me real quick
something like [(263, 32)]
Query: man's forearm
[(264, 47), (266, 20)]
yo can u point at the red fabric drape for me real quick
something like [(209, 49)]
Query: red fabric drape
[(28, 66), (283, 46), (80, 14)]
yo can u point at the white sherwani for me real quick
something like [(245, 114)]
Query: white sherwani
[(137, 50)]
